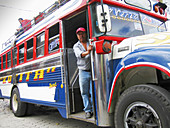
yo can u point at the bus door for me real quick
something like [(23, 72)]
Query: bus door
[(75, 102)]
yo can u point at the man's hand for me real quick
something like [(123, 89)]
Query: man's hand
[(90, 47)]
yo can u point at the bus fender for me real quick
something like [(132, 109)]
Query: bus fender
[(156, 57)]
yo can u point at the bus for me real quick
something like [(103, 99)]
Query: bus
[(130, 63)]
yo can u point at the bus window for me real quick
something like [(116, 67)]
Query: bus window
[(9, 59), (53, 44), (40, 45), (14, 56), (152, 25), (4, 61), (21, 53), (30, 49)]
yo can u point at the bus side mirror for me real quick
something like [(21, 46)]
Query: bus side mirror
[(104, 24)]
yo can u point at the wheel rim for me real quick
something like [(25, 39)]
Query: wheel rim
[(141, 115), (15, 102)]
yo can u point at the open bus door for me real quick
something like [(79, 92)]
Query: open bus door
[(75, 103)]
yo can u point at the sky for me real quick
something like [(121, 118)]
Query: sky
[(11, 10)]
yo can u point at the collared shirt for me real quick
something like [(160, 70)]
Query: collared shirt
[(83, 63)]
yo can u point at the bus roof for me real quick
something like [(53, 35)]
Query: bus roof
[(58, 10), (51, 14)]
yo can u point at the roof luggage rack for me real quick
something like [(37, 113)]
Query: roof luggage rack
[(36, 20)]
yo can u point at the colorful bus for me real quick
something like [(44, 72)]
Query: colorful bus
[(130, 63)]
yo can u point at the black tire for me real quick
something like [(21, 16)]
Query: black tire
[(30, 109), (18, 107), (143, 106)]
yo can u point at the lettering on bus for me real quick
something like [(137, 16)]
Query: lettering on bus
[(121, 14), (39, 75), (4, 80), (52, 85), (9, 79), (20, 78), (28, 76), (52, 70)]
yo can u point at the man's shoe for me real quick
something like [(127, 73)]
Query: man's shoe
[(88, 115)]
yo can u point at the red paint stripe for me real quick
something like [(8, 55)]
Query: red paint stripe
[(148, 65), (113, 86), (129, 67), (90, 22)]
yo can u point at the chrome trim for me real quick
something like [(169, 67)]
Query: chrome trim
[(101, 70), (92, 60)]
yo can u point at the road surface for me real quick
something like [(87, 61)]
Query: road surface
[(42, 117)]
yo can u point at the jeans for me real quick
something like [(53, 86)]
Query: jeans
[(85, 83)]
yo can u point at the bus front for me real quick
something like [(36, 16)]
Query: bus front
[(111, 22)]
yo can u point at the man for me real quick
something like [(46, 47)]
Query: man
[(24, 25), (82, 51)]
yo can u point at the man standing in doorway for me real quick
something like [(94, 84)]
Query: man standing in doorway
[(82, 51)]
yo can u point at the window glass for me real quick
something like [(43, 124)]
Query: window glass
[(30, 49), (21, 53), (15, 56), (125, 23), (40, 45), (152, 25), (9, 59), (4, 61), (53, 44)]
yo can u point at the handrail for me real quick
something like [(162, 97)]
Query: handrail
[(74, 78), (62, 65)]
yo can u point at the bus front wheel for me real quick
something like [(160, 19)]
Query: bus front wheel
[(143, 106), (18, 107)]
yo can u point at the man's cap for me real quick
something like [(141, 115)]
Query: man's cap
[(81, 29)]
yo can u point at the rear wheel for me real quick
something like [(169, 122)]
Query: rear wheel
[(30, 109), (143, 106), (18, 107)]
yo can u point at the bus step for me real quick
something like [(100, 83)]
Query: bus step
[(81, 116)]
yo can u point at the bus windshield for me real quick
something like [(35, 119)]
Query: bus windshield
[(128, 23), (151, 25)]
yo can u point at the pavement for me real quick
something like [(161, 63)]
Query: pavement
[(42, 117)]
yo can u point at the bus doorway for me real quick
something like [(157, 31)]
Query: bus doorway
[(75, 102)]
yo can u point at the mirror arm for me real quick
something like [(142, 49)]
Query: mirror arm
[(103, 14)]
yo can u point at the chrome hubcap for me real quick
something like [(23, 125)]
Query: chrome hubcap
[(141, 115)]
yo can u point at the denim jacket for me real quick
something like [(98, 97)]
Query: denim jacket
[(83, 63)]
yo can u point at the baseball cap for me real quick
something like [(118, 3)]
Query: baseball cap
[(81, 29)]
